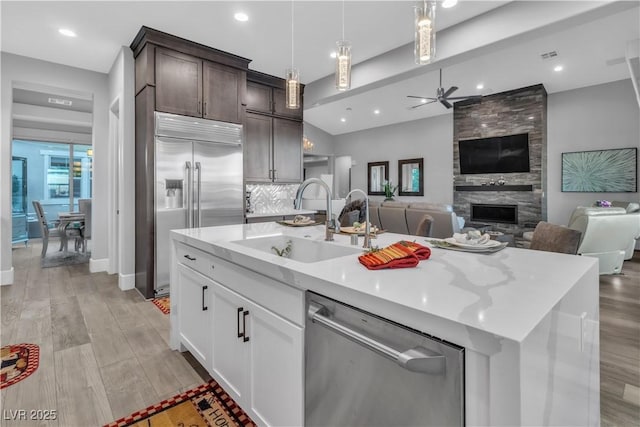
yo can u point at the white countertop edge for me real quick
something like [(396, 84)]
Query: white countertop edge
[(285, 212), (309, 276)]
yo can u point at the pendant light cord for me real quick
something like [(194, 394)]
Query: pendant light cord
[(292, 18), (342, 19)]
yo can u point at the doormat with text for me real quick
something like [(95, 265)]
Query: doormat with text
[(206, 405), (163, 303), (18, 362)]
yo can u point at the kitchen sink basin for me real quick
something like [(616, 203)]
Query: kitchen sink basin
[(302, 250)]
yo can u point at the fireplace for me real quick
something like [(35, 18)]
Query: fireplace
[(504, 214)]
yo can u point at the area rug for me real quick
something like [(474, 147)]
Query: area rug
[(163, 303), (59, 259), (18, 362), (206, 405)]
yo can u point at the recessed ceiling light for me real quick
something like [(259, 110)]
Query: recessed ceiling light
[(343, 120), (558, 68), (480, 86), (376, 111), (530, 117), (449, 3), (424, 101), (484, 125), (333, 55), (66, 32), (241, 16)]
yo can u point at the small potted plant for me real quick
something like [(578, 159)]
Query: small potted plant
[(389, 190)]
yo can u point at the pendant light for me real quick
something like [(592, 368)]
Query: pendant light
[(425, 34), (292, 77), (343, 61)]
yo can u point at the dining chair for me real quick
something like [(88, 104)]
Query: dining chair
[(84, 206), (47, 229), (424, 226), (555, 238)]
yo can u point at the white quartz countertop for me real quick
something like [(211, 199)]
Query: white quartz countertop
[(501, 295), (284, 212)]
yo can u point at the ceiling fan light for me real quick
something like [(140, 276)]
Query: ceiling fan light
[(425, 35), (343, 66)]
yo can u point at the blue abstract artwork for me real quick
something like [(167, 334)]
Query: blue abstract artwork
[(600, 171)]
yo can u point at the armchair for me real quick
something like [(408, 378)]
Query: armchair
[(606, 233)]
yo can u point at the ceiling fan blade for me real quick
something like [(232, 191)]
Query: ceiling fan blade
[(450, 91), (445, 103), (465, 97), (419, 97), (420, 105)]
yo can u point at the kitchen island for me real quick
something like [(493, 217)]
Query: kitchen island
[(528, 320)]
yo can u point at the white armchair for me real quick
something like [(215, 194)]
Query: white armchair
[(606, 233), (631, 208)]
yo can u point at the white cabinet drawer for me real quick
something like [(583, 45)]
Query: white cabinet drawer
[(284, 300), (194, 258)]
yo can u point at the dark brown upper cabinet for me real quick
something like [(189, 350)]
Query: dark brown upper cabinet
[(280, 108), (195, 87), (178, 83), (411, 177), (266, 94), (223, 92), (273, 149), (259, 98)]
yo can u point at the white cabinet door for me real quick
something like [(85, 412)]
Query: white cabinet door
[(194, 314), (230, 352), (276, 369)]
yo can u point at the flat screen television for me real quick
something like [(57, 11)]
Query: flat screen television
[(501, 154)]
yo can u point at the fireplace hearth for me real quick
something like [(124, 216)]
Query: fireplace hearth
[(495, 213)]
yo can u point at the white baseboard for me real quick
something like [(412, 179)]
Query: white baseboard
[(126, 281), (6, 277), (96, 265)]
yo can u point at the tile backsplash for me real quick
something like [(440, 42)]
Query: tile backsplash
[(271, 198)]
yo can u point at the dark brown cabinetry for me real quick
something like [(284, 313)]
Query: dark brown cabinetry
[(195, 87), (177, 76), (273, 149), (287, 151), (273, 134), (178, 83)]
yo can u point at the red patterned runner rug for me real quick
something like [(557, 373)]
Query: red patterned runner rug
[(163, 303), (206, 405), (18, 362)]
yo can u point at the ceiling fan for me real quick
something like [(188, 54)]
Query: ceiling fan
[(442, 96)]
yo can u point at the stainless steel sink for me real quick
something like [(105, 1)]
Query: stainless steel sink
[(302, 250)]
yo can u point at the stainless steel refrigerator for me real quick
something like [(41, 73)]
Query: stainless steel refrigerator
[(198, 180)]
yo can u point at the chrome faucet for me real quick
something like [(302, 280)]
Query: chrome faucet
[(367, 227), (331, 225)]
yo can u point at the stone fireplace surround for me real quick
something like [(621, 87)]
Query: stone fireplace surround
[(518, 111)]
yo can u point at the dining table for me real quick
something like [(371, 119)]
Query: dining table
[(64, 220)]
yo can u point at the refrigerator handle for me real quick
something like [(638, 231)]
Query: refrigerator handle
[(198, 216), (189, 180)]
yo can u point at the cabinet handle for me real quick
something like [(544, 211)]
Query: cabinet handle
[(240, 335), (274, 174), (198, 107), (190, 258), (204, 307), (244, 326), (205, 109)]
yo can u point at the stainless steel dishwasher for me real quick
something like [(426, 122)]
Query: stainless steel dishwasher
[(362, 370)]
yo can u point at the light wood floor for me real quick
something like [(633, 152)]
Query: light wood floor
[(103, 353), (94, 338)]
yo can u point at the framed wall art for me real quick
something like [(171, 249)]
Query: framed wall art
[(600, 171)]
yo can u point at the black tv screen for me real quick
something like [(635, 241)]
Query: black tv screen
[(501, 154)]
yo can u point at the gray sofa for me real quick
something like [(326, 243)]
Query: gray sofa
[(404, 218)]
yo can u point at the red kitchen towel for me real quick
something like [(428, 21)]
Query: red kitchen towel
[(422, 252), (397, 255)]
